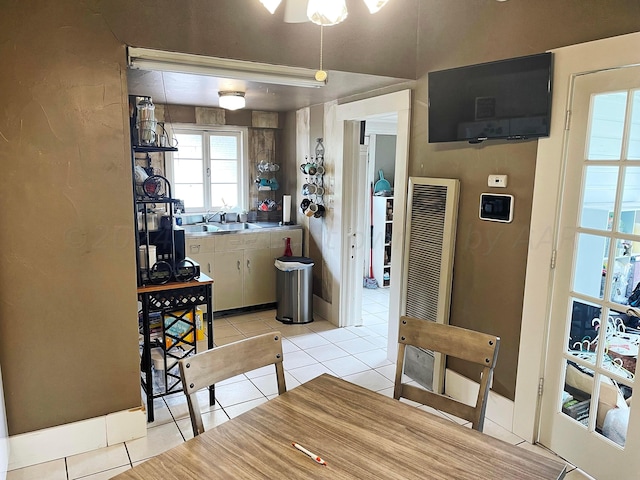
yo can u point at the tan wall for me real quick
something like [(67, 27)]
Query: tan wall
[(462, 32), (244, 30), (68, 331), (490, 259), (68, 314)]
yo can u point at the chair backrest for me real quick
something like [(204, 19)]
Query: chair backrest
[(457, 342), (213, 366)]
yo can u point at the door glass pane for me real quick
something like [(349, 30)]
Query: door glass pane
[(630, 216), (622, 338), (607, 126), (583, 335), (634, 134), (612, 418), (590, 265), (626, 270), (223, 147), (598, 197), (576, 397)]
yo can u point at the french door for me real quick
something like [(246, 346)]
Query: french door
[(588, 415)]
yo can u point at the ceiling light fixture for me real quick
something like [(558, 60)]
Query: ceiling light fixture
[(231, 100), (375, 5), (326, 12), (270, 5), (161, 61)]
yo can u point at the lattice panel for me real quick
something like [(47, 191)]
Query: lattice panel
[(186, 297)]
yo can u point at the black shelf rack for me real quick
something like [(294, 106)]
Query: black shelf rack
[(172, 298)]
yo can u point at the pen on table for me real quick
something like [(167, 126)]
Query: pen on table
[(309, 454)]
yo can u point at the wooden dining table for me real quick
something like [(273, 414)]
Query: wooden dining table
[(357, 432)]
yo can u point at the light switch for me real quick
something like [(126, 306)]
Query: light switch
[(497, 181)]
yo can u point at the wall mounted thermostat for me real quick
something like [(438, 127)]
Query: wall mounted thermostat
[(496, 207), (497, 181)]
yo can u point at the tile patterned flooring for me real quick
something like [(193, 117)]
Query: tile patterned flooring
[(357, 354)]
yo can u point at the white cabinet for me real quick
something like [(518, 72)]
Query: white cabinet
[(259, 277), (260, 272), (381, 245), (200, 250), (228, 278), (239, 262), (242, 265)]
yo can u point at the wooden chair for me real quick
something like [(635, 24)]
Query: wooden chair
[(457, 342), (213, 366)]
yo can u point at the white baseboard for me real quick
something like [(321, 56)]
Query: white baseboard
[(78, 437), (322, 309), (499, 409)]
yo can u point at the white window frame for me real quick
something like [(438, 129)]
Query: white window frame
[(243, 170)]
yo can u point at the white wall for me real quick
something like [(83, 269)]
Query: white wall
[(383, 149)]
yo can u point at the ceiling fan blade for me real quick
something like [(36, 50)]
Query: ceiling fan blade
[(295, 11)]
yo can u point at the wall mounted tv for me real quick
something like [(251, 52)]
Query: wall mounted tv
[(509, 99)]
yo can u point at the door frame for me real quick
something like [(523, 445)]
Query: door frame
[(347, 119), (568, 62)]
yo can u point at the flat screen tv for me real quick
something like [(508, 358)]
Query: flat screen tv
[(509, 99)]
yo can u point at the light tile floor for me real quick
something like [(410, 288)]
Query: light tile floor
[(356, 354)]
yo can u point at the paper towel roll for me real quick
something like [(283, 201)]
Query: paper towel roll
[(142, 256), (286, 208)]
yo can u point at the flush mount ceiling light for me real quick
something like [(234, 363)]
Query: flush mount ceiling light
[(324, 12), (231, 100)]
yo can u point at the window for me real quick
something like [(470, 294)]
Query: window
[(208, 171)]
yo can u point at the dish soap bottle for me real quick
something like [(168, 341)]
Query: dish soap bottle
[(287, 247)]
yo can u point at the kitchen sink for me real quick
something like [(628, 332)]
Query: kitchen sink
[(219, 227), (200, 227), (232, 227)]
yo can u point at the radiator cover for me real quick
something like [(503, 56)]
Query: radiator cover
[(432, 213)]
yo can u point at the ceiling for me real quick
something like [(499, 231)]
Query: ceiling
[(202, 90)]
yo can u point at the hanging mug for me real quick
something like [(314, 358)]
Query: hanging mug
[(311, 210), (304, 205), (319, 191), (319, 170), (320, 211)]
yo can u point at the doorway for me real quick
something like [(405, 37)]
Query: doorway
[(532, 379), (587, 414), (356, 210), (378, 152)]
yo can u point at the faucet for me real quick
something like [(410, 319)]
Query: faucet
[(222, 215)]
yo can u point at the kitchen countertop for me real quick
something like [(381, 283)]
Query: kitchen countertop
[(258, 227)]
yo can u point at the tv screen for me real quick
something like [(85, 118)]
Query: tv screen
[(508, 99)]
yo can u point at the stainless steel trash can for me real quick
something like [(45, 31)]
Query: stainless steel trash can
[(294, 289)]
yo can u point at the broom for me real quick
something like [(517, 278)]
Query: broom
[(370, 282)]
